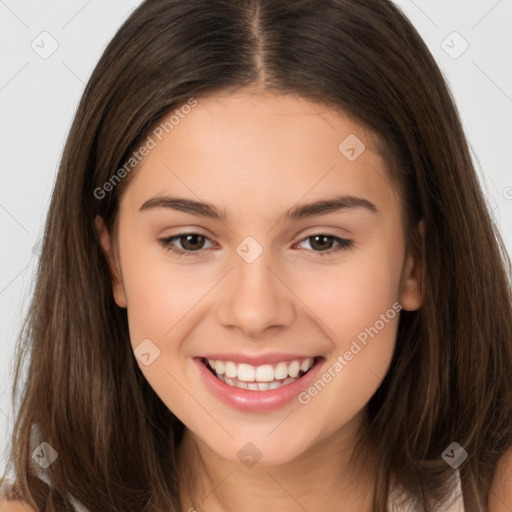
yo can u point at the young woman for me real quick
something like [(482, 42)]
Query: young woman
[(269, 278)]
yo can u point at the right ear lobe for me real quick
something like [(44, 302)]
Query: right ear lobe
[(115, 271)]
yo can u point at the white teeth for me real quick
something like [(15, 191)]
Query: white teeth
[(231, 369), (255, 386), (294, 369), (219, 367), (262, 377), (265, 373), (246, 372), (306, 364), (281, 371)]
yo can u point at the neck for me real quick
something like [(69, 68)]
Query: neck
[(327, 475)]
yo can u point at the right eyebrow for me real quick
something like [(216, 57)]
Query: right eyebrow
[(199, 208)]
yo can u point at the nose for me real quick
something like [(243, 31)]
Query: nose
[(256, 298)]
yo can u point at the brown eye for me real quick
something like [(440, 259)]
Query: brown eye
[(321, 242), (324, 244), (192, 242)]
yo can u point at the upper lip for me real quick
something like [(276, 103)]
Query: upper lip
[(257, 360)]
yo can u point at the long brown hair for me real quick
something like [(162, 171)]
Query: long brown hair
[(450, 378)]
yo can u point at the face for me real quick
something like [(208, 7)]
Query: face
[(296, 307)]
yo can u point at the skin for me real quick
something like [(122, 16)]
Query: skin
[(279, 158), (255, 155)]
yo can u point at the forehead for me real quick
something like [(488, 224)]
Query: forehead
[(263, 147), (275, 121)]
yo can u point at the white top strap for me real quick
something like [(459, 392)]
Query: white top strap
[(401, 501)]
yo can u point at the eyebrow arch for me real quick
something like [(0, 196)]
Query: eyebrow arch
[(325, 206), (204, 209)]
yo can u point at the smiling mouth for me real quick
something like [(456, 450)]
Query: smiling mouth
[(260, 378)]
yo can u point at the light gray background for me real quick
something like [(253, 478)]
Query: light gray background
[(39, 94)]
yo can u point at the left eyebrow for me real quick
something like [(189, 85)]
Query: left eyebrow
[(204, 209), (329, 206)]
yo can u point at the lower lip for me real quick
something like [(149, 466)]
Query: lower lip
[(257, 401)]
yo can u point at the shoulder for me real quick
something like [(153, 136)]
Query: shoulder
[(500, 494), (14, 506)]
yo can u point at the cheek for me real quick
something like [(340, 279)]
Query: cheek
[(351, 376), (350, 296), (159, 296), (357, 303)]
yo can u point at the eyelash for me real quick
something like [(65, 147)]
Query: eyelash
[(342, 244)]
